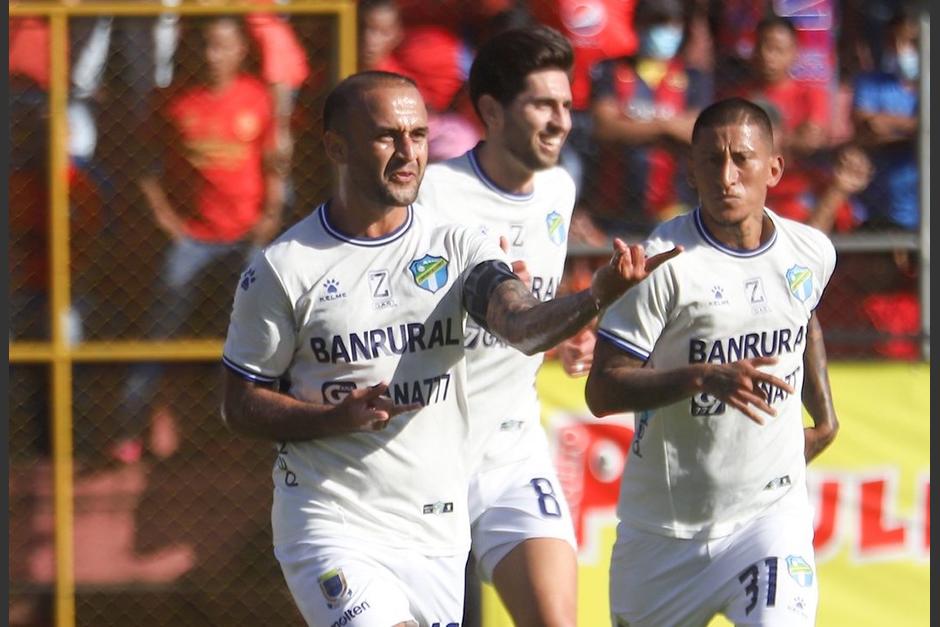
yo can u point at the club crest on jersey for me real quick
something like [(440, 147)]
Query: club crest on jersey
[(333, 586), (800, 282), (800, 570), (429, 272), (556, 227)]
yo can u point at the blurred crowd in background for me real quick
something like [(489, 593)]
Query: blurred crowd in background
[(193, 141)]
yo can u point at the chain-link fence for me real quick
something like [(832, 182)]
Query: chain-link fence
[(165, 516)]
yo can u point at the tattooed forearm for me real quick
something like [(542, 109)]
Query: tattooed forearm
[(516, 316)]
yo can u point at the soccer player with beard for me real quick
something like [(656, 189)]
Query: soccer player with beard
[(345, 347), (511, 184)]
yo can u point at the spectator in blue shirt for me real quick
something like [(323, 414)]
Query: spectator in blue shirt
[(885, 113)]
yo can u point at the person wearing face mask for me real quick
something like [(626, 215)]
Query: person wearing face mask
[(644, 106), (885, 113)]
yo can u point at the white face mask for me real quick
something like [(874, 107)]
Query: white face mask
[(909, 64), (661, 41), (905, 63)]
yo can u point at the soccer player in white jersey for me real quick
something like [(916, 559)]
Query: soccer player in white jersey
[(345, 347), (716, 353), (523, 537)]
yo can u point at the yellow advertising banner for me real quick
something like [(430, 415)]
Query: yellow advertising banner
[(870, 490)]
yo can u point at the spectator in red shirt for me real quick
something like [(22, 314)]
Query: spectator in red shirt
[(225, 197), (804, 114), (436, 58)]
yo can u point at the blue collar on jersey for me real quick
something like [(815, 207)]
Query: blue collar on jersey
[(478, 170), (734, 252), (364, 241)]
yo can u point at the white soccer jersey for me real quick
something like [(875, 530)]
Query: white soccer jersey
[(699, 468), (329, 313), (502, 379)]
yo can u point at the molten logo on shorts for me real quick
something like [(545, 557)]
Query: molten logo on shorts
[(334, 588)]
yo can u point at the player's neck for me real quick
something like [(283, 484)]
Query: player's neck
[(504, 169), (362, 221), (749, 234)]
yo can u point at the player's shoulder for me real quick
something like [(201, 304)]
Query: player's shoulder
[(433, 221), (677, 231), (553, 181), (302, 235), (448, 171), (803, 236)]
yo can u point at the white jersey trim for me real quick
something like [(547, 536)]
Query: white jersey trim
[(478, 170), (364, 241), (734, 252)]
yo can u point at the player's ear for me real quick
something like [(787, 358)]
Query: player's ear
[(776, 170), (491, 111), (335, 146)]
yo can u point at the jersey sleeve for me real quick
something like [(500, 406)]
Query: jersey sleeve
[(261, 337), (828, 264), (634, 322)]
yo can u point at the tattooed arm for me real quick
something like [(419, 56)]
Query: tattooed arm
[(619, 382), (504, 305), (258, 411), (817, 397)]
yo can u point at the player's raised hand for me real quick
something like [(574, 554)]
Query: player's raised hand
[(368, 410), (736, 383), (627, 267)]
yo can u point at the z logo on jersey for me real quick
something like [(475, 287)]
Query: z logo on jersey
[(381, 290), (429, 272)]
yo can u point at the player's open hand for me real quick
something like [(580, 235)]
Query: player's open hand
[(627, 267), (738, 385), (369, 410)]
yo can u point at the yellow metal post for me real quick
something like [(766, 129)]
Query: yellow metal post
[(348, 37), (57, 352), (59, 282)]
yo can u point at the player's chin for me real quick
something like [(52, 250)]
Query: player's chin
[(402, 194)]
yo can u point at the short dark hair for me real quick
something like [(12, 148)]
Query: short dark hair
[(343, 97), (775, 21), (504, 61), (733, 111)]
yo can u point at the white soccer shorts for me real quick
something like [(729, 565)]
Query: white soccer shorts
[(352, 583), (763, 574), (512, 503)]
